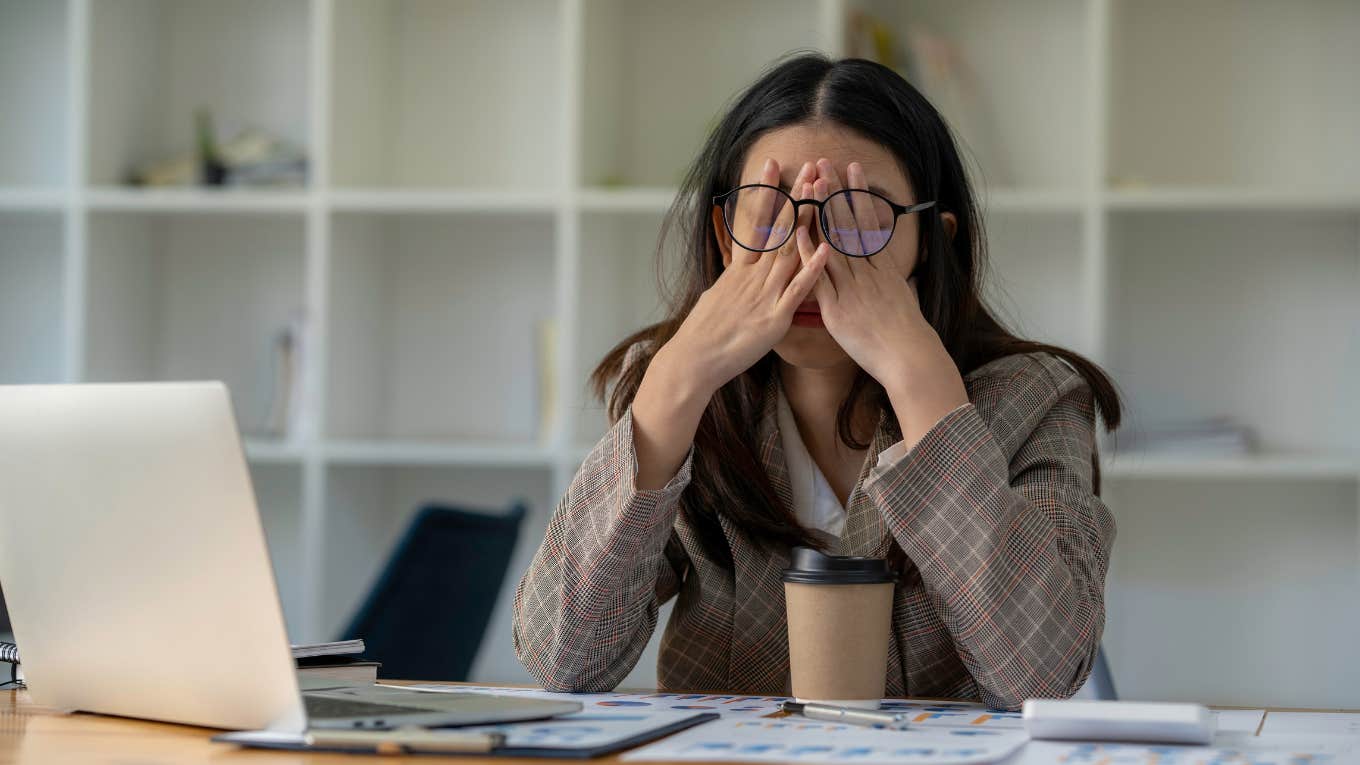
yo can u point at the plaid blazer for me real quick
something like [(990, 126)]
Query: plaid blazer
[(1002, 599)]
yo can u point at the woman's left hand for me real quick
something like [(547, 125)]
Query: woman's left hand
[(873, 311)]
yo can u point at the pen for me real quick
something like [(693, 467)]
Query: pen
[(406, 740), (872, 718)]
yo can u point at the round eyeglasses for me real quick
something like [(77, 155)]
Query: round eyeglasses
[(856, 222)]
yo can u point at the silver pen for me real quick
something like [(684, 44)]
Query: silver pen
[(873, 718)]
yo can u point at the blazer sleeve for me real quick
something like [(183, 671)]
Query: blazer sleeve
[(587, 605), (1014, 551)]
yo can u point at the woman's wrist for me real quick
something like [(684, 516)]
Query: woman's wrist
[(684, 376), (666, 412), (919, 411)]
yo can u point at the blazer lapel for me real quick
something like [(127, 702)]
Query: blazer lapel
[(760, 641), (865, 534)]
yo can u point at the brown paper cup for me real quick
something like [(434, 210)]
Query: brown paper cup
[(839, 624)]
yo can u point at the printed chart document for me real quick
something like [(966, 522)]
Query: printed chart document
[(792, 739), (577, 735), (954, 714)]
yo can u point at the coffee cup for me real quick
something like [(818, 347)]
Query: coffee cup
[(839, 621)]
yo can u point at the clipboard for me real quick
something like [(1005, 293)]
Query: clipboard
[(508, 740)]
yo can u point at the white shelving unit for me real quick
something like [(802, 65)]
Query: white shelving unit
[(1161, 194)]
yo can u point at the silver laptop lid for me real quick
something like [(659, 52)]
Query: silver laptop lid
[(132, 557)]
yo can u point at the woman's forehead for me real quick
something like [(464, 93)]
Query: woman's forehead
[(794, 145)]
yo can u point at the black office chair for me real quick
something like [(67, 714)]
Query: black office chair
[(1102, 682), (425, 616)]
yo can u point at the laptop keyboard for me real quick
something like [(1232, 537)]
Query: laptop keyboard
[(319, 707)]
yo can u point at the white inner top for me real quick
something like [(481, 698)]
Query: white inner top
[(814, 502)]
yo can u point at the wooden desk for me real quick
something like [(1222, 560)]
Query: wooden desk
[(32, 734)]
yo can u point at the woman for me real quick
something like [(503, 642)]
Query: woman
[(831, 379)]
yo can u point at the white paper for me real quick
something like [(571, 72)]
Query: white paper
[(257, 737), (626, 703), (1312, 723), (1238, 720), (795, 740)]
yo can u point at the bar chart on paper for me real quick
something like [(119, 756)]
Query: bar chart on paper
[(954, 714)]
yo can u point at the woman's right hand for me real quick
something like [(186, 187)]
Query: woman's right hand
[(733, 324), (750, 306)]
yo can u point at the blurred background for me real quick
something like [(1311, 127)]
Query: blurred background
[(404, 231)]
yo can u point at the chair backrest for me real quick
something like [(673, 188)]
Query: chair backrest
[(1102, 680), (425, 616)]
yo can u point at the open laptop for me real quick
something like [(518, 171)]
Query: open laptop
[(137, 578)]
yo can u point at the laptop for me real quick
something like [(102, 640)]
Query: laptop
[(137, 577)]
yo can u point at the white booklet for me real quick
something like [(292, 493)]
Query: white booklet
[(337, 648)]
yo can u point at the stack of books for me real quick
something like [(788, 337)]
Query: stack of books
[(335, 661)]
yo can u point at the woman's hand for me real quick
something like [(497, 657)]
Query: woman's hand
[(751, 305), (873, 311), (734, 323)]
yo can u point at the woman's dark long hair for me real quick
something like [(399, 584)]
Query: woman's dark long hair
[(877, 103)]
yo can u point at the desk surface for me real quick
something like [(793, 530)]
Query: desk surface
[(33, 734)]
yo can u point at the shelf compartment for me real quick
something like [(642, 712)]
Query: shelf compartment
[(35, 89), (427, 93), (1236, 567), (32, 289), (1236, 93), (193, 297), (644, 117), (434, 326), (619, 295), (1246, 315), (1014, 136), (278, 492), (1036, 279), (367, 508), (154, 62)]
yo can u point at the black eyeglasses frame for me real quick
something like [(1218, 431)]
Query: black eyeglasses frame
[(820, 204)]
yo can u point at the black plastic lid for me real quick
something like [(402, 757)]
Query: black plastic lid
[(811, 567)]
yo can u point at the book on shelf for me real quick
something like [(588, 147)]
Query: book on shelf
[(283, 422), (937, 65)]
